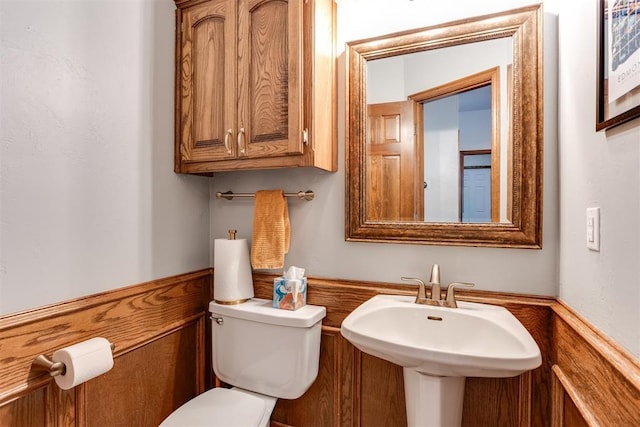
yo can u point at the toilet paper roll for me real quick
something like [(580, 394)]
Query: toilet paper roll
[(83, 361), (232, 280)]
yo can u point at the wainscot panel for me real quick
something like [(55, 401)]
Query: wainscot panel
[(585, 378), (368, 391), (159, 331), (596, 382), (162, 358)]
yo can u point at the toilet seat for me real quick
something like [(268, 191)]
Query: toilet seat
[(219, 407)]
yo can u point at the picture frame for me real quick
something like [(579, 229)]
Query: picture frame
[(618, 81)]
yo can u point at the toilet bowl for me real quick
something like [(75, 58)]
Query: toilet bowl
[(266, 353), (223, 407)]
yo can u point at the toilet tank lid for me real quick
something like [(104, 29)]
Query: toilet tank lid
[(261, 310)]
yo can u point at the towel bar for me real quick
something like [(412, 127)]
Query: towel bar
[(229, 195)]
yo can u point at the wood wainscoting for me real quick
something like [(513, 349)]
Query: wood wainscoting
[(159, 330), (595, 382), (356, 389), (162, 359), (585, 379)]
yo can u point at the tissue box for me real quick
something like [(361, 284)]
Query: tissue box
[(289, 294)]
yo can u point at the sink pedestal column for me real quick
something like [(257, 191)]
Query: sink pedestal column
[(433, 401)]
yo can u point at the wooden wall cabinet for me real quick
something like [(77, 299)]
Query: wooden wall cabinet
[(255, 85)]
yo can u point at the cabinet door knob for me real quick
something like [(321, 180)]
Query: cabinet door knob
[(242, 145), (227, 143)]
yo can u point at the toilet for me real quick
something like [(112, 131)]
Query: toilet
[(265, 354)]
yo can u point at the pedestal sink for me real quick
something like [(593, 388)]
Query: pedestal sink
[(438, 347)]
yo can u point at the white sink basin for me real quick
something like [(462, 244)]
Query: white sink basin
[(473, 340)]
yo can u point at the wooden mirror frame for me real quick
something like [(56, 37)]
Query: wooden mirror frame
[(524, 25)]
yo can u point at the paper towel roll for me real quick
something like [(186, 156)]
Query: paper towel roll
[(232, 279), (83, 361)]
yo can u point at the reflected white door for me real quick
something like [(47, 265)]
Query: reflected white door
[(476, 195)]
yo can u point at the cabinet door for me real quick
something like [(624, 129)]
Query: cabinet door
[(270, 78), (208, 73)]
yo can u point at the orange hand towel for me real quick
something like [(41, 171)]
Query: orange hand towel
[(270, 230)]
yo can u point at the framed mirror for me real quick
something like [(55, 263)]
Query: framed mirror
[(444, 133)]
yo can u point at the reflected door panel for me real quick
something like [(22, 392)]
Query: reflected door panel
[(476, 195), (393, 175)]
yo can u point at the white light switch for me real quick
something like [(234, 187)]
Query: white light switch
[(593, 229)]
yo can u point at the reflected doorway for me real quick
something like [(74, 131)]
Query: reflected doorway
[(458, 132), (416, 153)]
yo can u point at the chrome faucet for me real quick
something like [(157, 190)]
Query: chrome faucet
[(435, 297)]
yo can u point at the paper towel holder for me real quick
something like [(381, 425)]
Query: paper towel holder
[(43, 363)]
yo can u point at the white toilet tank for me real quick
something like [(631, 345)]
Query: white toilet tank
[(264, 349)]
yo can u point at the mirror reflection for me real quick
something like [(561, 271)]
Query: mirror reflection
[(444, 133), (437, 140)]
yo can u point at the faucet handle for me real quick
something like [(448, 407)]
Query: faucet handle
[(450, 300), (422, 294)]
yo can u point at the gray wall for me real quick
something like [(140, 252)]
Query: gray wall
[(317, 241), (88, 198), (89, 202), (582, 168), (598, 169)]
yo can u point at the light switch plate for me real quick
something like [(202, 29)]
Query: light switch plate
[(593, 229)]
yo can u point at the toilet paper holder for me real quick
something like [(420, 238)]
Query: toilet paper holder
[(43, 363)]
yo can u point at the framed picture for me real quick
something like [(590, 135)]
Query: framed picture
[(618, 63)]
